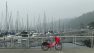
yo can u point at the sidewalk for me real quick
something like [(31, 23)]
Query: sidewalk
[(65, 50)]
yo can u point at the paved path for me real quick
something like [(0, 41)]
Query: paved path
[(65, 50)]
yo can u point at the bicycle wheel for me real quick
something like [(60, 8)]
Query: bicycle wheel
[(58, 46), (44, 48)]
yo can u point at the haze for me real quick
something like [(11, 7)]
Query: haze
[(52, 8)]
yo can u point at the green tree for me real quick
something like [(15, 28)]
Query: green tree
[(91, 25)]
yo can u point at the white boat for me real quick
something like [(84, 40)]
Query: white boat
[(35, 34)]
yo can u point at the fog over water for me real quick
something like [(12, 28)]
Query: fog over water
[(36, 8)]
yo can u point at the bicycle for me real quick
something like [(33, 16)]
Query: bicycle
[(45, 46)]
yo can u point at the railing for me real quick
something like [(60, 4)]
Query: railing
[(29, 42)]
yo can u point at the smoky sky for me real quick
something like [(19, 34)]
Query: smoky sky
[(52, 8)]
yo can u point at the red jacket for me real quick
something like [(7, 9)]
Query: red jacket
[(57, 39)]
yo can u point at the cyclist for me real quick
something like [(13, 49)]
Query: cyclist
[(56, 40)]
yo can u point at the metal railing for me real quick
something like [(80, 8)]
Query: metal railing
[(29, 42)]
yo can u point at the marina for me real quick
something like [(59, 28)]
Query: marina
[(50, 26)]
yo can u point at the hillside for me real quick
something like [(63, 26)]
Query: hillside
[(82, 20), (67, 24)]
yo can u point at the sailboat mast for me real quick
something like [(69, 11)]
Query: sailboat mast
[(27, 22), (10, 23), (52, 24), (39, 24), (44, 23), (1, 22), (17, 21), (7, 27), (59, 25), (22, 25)]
